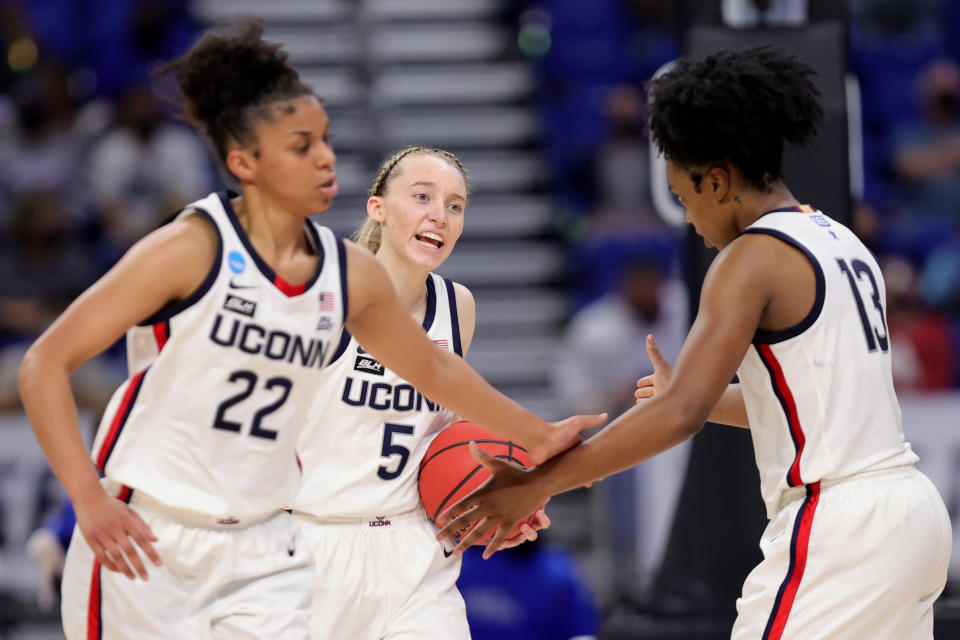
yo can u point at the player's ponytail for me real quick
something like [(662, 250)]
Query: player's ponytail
[(369, 234), (230, 76), (736, 107)]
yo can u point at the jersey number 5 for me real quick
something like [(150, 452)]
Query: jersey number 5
[(872, 333), (249, 379), (389, 449)]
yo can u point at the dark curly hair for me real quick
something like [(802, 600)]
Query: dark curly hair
[(231, 76), (735, 107)]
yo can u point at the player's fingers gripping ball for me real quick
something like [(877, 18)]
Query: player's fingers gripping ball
[(449, 471)]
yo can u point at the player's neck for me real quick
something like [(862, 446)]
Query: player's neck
[(756, 203), (275, 234), (407, 279)]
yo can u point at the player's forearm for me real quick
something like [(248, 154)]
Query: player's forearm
[(458, 387), (730, 409), (637, 434), (48, 400)]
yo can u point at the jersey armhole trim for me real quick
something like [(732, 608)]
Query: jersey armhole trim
[(342, 258), (171, 309), (454, 317), (431, 312), (341, 347), (773, 337)]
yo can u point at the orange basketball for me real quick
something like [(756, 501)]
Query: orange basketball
[(449, 471)]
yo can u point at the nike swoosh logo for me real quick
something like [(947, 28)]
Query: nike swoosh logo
[(447, 554), (234, 285)]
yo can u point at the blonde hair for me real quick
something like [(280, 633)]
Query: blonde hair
[(369, 233)]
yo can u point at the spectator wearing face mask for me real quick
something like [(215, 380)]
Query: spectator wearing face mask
[(925, 159)]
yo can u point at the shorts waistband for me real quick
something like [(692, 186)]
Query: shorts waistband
[(795, 493), (196, 518), (403, 517)]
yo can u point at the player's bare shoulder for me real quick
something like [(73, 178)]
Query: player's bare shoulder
[(778, 270), (747, 262), (466, 313), (187, 248), (466, 303)]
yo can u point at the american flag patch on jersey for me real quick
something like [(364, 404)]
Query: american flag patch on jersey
[(443, 344), (326, 301)]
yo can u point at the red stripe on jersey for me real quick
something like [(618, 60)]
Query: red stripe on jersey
[(125, 493), (288, 289), (798, 562), (119, 419), (161, 331), (94, 631), (789, 407)]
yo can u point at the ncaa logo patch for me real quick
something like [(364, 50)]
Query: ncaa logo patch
[(236, 261)]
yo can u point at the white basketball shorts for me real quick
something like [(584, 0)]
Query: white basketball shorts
[(383, 577), (217, 582), (862, 557)]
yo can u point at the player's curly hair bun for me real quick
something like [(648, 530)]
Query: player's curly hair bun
[(230, 73), (737, 107)]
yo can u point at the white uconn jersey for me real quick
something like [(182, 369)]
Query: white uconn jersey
[(362, 450), (820, 395), (221, 382)]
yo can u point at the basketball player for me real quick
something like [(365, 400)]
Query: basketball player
[(233, 309), (380, 572), (858, 540)]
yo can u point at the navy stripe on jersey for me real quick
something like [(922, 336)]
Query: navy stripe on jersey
[(341, 346), (126, 493), (177, 306), (799, 544), (789, 406), (120, 419), (342, 258), (454, 317), (264, 268), (431, 311), (772, 337), (428, 317), (790, 209)]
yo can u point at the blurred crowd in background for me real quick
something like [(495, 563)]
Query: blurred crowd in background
[(91, 158)]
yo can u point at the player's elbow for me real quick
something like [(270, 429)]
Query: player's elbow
[(30, 369), (40, 361), (689, 416)]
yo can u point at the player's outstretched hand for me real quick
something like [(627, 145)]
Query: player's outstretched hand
[(529, 531), (651, 385), (506, 498), (565, 434), (110, 527)]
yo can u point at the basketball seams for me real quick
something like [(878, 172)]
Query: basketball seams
[(509, 443), (456, 474), (452, 493)]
